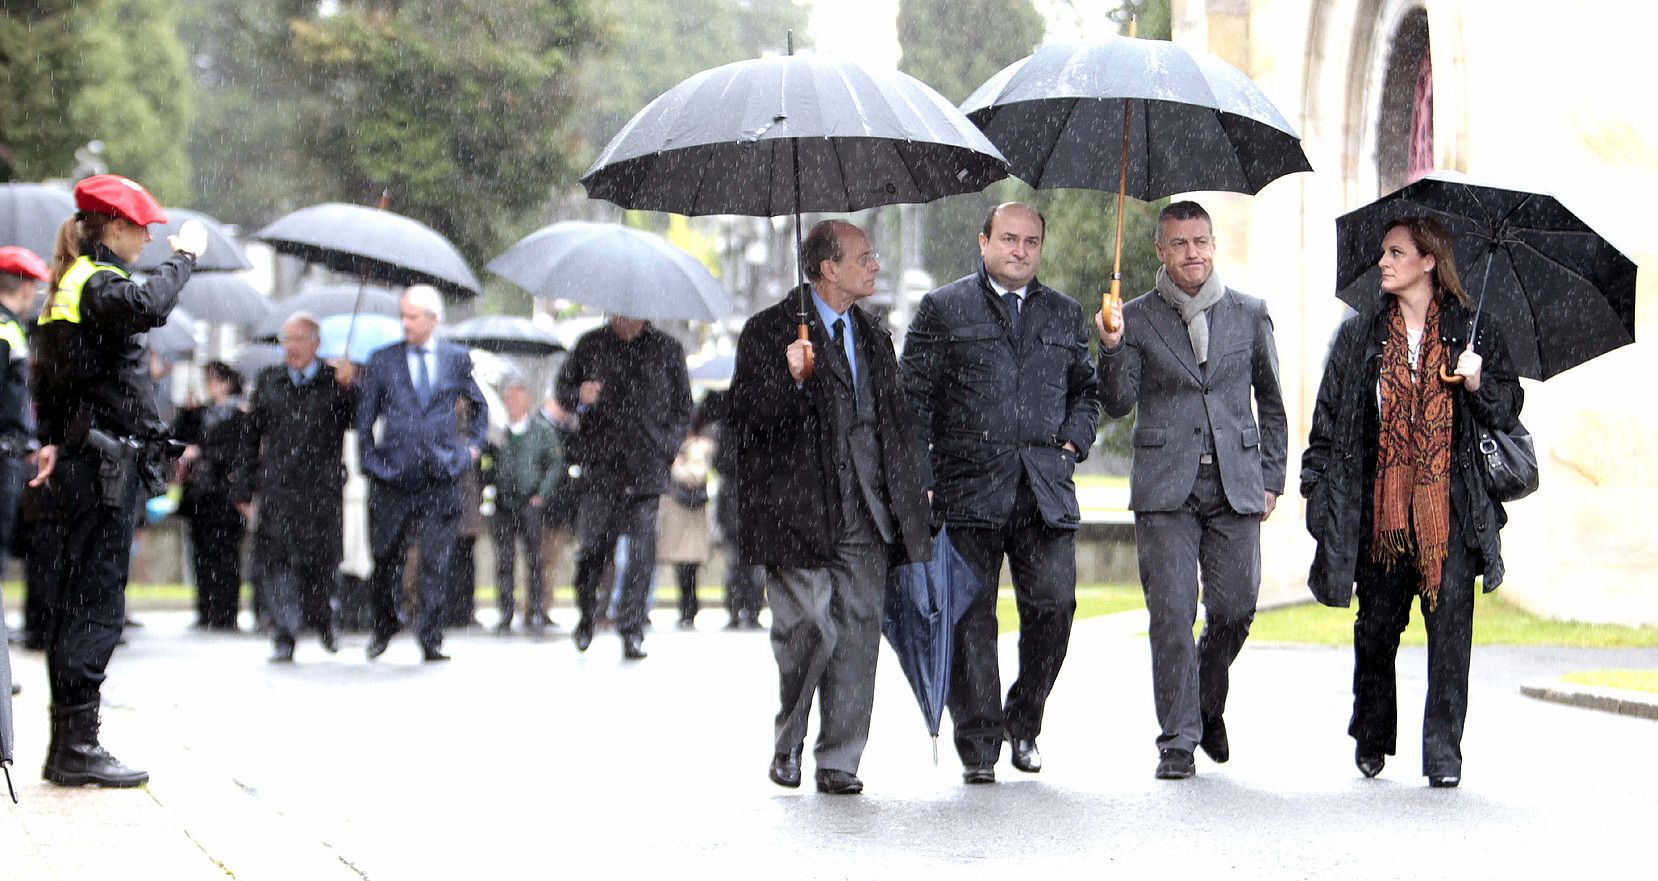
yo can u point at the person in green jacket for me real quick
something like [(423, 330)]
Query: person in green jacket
[(527, 466)]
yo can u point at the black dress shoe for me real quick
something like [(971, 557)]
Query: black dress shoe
[(1214, 743), (1444, 781), (978, 774), (1025, 756), (633, 647), (330, 640), (785, 769), (583, 637), (284, 653), (377, 645), (1175, 764), (832, 782), (432, 654), (1370, 764)]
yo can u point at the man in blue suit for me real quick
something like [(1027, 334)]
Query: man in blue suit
[(413, 389)]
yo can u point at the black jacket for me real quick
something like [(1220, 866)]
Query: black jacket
[(626, 441), (990, 407), (295, 444), (1339, 466), (788, 509), (220, 430)]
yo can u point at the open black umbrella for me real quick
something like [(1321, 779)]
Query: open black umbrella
[(1144, 118), (30, 215), (222, 254), (924, 601), (1560, 291), (224, 298), (504, 334), (775, 136), (323, 301), (372, 244), (614, 269)]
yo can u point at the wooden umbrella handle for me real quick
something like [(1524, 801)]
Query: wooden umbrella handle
[(1449, 378), (806, 334)]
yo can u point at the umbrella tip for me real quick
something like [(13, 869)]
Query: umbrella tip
[(385, 199), (935, 750)]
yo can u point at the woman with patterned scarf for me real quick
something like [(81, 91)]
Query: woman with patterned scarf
[(1396, 494)]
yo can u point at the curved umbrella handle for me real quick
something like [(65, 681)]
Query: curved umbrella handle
[(806, 334), (1449, 378), (1107, 301)]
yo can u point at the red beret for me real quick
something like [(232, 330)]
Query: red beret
[(114, 194), (24, 262)]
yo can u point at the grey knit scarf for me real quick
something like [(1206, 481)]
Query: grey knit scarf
[(1193, 310)]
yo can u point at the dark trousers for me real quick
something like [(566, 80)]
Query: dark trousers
[(39, 580), (1044, 564), (301, 595), (1205, 539), (686, 575), (216, 552), (397, 517), (601, 519), (461, 604), (512, 525), (1385, 599), (90, 547)]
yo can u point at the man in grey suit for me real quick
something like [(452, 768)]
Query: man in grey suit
[(829, 495), (1205, 474)]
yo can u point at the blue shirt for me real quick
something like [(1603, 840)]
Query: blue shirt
[(829, 316), (430, 352), (301, 377)]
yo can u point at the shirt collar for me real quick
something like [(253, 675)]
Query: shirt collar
[(306, 373), (519, 427), (1001, 291), (829, 315)]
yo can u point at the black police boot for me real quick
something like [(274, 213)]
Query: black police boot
[(74, 757)]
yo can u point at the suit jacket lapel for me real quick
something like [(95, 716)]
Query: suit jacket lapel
[(1172, 330), (825, 348), (1222, 321)]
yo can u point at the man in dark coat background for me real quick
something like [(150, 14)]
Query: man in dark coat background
[(829, 496), (628, 385), (299, 414), (1002, 383)]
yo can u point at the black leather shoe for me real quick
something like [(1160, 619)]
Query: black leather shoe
[(284, 653), (432, 654), (1175, 764), (583, 637), (1444, 781), (978, 774), (377, 645), (785, 769), (1214, 743), (1025, 756), (832, 782), (1370, 764), (633, 647), (330, 640)]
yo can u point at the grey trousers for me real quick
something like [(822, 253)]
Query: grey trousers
[(1204, 539), (826, 635)]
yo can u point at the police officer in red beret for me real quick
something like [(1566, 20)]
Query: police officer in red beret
[(21, 273), (102, 446)]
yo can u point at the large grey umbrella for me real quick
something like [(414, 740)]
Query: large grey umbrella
[(224, 298), (373, 244), (324, 301), (30, 215), (253, 359), (504, 334), (775, 136), (1143, 118), (222, 254), (176, 338), (615, 269)]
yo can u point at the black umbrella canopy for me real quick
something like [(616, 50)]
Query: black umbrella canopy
[(504, 334), (1195, 122), (774, 136), (614, 269), (224, 298), (373, 244), (30, 215), (222, 254), (1561, 292), (326, 300)]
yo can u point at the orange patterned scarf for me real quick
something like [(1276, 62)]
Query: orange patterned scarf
[(1412, 514)]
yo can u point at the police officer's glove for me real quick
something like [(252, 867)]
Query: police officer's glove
[(191, 237)]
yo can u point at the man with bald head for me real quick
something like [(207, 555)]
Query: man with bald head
[(297, 420), (412, 390), (998, 373)]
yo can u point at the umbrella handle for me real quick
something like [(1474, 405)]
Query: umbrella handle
[(806, 334), (1449, 378), (1115, 296)]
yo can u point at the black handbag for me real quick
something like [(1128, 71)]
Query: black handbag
[(1510, 462)]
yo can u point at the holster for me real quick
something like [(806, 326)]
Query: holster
[(118, 467)]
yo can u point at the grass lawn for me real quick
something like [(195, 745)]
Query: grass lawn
[(1496, 622), (1092, 599), (1629, 680)]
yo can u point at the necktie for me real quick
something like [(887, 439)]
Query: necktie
[(423, 378), (839, 332), (297, 376), (1012, 300)]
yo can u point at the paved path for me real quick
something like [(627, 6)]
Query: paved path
[(523, 759)]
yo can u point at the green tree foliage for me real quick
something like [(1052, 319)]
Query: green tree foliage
[(111, 71)]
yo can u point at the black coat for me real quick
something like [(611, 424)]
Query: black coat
[(788, 510), (1338, 468), (296, 437), (627, 441), (219, 430), (991, 407)]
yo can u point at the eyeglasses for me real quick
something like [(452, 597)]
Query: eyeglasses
[(1203, 243), (868, 260)]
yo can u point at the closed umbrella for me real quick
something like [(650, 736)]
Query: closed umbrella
[(7, 734), (505, 335), (1561, 292), (221, 255), (775, 136), (924, 601), (30, 215), (614, 269), (324, 301), (1145, 118), (224, 298)]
